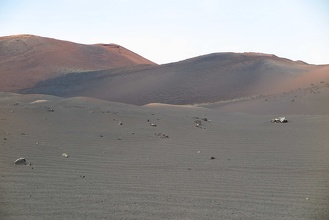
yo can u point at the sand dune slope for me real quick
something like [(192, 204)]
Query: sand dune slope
[(208, 78), (236, 166), (28, 59)]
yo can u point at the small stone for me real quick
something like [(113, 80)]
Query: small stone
[(119, 138), (49, 109), (65, 155), (212, 158), (5, 139), (120, 123), (101, 136), (153, 125), (20, 161)]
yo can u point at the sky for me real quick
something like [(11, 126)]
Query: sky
[(167, 31)]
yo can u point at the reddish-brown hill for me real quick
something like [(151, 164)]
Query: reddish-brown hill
[(27, 59)]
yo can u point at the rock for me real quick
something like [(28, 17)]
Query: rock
[(65, 155), (153, 125), (120, 123), (119, 138), (20, 161), (212, 158), (279, 120)]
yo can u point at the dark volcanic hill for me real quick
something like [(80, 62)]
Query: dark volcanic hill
[(207, 78), (27, 59)]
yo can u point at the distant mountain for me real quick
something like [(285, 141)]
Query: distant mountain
[(27, 59), (203, 79)]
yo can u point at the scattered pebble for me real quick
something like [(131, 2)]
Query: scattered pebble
[(212, 158), (120, 123), (119, 138), (153, 125), (20, 161), (101, 136), (49, 109), (161, 135)]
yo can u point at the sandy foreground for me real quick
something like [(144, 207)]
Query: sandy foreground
[(236, 166)]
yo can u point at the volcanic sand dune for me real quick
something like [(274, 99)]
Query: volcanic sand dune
[(234, 166), (27, 59), (208, 78)]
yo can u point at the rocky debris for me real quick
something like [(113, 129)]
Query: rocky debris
[(20, 161), (119, 138), (120, 123), (212, 158), (279, 120), (203, 119), (65, 155), (161, 135), (153, 125)]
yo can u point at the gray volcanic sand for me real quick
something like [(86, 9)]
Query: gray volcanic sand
[(260, 170)]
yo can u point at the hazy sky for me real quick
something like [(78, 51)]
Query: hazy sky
[(171, 30)]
